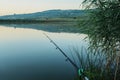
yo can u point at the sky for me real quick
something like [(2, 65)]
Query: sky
[(29, 6)]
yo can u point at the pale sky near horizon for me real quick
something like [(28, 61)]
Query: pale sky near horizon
[(28, 6)]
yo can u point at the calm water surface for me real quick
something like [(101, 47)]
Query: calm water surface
[(26, 54)]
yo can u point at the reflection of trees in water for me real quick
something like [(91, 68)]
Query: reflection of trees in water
[(56, 27)]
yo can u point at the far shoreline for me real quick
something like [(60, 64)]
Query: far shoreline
[(31, 21)]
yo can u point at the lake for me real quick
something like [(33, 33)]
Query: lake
[(27, 54)]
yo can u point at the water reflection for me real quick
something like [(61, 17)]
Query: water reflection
[(26, 54), (56, 27)]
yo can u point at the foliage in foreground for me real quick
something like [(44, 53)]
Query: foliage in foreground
[(103, 25), (103, 29), (96, 66)]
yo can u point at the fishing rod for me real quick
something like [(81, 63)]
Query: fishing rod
[(57, 47), (80, 71)]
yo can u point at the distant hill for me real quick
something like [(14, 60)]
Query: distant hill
[(46, 14)]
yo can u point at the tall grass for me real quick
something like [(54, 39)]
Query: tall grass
[(103, 32), (98, 66)]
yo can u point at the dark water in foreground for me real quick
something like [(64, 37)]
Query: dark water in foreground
[(26, 54)]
